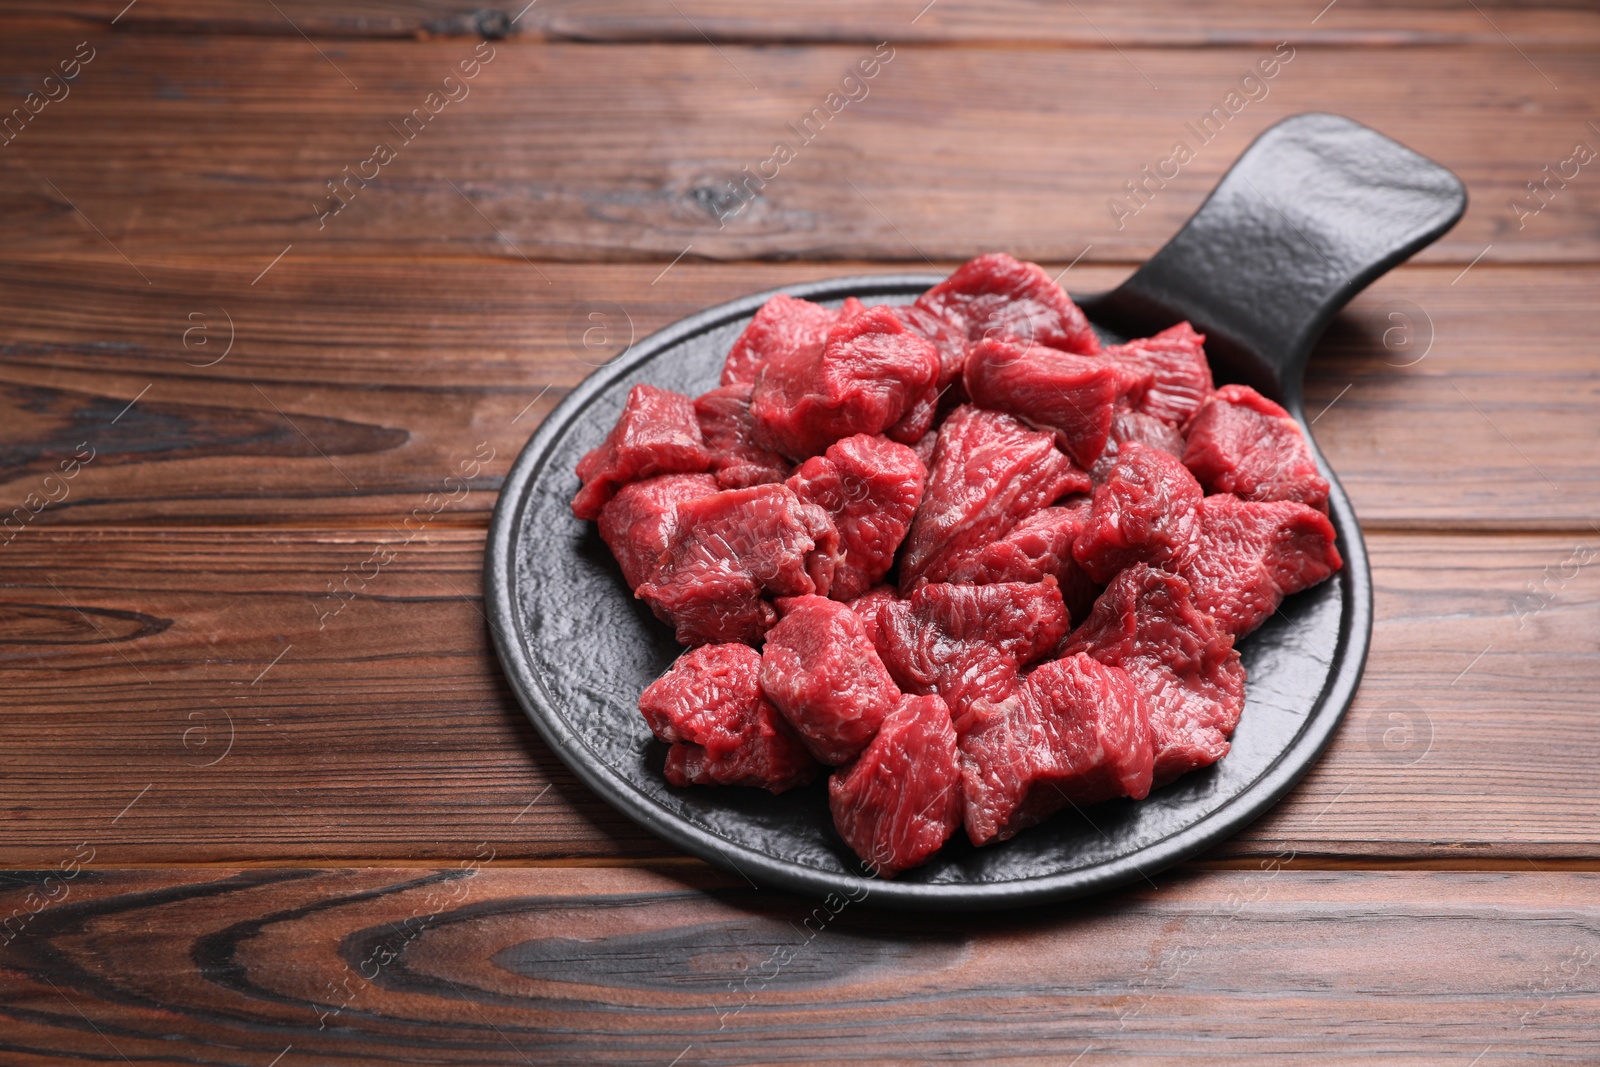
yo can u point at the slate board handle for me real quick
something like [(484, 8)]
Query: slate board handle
[(1313, 211)]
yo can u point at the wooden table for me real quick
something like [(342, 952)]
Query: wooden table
[(269, 801)]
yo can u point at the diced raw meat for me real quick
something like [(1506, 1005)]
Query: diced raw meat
[(870, 488), (709, 708), (1076, 732), (950, 340), (1144, 512), (964, 642), (821, 672), (1129, 425), (1242, 443), (655, 434), (871, 607), (724, 417), (924, 448), (1254, 553), (1069, 394), (784, 326), (730, 548), (900, 802), (637, 524), (1181, 378), (918, 419), (1000, 297), (1180, 661), (1038, 547), (868, 374), (989, 472)]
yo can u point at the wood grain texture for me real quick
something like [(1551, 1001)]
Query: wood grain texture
[(572, 152), (272, 720), (357, 849), (1094, 23), (353, 390), (636, 967)]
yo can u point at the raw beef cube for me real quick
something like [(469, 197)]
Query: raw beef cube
[(989, 472), (784, 327), (1180, 661), (1040, 544), (918, 419), (821, 672), (724, 417), (870, 488), (1004, 298), (964, 642), (730, 548), (1052, 390), (1144, 512), (655, 434), (868, 374), (1076, 732), (947, 338), (1252, 554), (1181, 378), (709, 708), (637, 524), (1038, 547), (917, 423), (870, 607), (1130, 425), (900, 802), (1242, 443)]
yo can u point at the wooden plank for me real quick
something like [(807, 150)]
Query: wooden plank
[(1095, 23), (168, 147), (352, 390), (210, 677), (598, 967)]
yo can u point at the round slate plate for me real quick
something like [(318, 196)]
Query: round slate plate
[(579, 649)]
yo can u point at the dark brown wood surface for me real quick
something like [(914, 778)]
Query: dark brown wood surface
[(244, 824), (1017, 23), (231, 142), (638, 966)]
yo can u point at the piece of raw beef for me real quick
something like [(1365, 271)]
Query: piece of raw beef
[(1000, 297), (1144, 512), (1182, 663), (637, 524), (1240, 442), (1180, 377), (964, 642), (821, 672), (901, 800), (1076, 732), (723, 731), (724, 418), (949, 339), (729, 550), (1071, 395), (1252, 554), (870, 488), (1038, 547), (867, 375), (989, 472), (1130, 425), (919, 418), (783, 326), (655, 434)]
